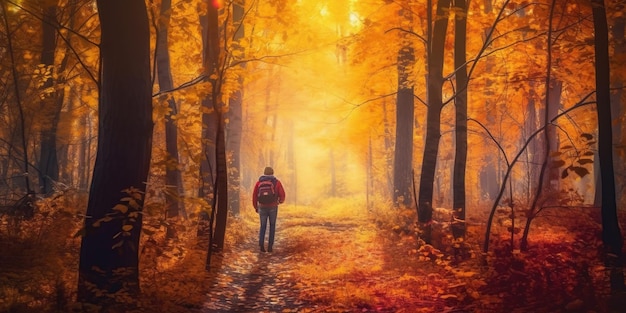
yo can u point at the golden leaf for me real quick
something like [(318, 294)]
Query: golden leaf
[(121, 207)]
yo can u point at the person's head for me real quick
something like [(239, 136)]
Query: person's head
[(268, 171)]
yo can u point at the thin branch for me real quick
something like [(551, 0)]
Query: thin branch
[(55, 25), (581, 103), (190, 83), (409, 32), (506, 159), (78, 58)]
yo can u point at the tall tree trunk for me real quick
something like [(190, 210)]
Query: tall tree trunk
[(85, 152), (207, 167), (208, 135), (219, 212), (67, 166), (460, 156), (173, 177), (611, 233), (109, 262), (551, 183), (388, 140), (617, 110), (234, 151), (52, 105), (405, 108), (433, 123), (48, 162), (84, 147), (619, 53), (235, 122), (221, 192), (534, 148)]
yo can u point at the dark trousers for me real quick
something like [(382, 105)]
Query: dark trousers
[(266, 214)]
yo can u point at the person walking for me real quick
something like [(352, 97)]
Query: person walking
[(267, 195)]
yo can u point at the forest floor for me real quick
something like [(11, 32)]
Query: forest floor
[(320, 263), (324, 260), (339, 257), (342, 259)]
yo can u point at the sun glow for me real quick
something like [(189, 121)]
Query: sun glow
[(324, 11), (355, 19)]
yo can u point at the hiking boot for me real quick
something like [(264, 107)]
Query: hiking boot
[(263, 249), (269, 249)]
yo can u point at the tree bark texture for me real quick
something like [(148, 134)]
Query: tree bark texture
[(48, 162), (173, 176), (109, 249), (405, 116), (460, 156), (219, 212), (235, 126), (433, 118), (611, 233), (553, 105), (209, 130)]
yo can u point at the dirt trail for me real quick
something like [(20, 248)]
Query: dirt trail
[(303, 273), (254, 282)]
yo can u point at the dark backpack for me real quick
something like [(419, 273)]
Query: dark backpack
[(267, 192)]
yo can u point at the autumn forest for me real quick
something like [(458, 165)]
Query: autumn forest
[(436, 155)]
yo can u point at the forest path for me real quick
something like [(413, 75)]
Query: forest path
[(321, 258)]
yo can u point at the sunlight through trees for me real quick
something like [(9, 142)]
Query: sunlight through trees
[(446, 143)]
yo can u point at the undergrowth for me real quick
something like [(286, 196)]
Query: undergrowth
[(342, 256), (39, 263)]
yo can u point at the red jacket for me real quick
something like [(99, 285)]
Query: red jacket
[(279, 190)]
